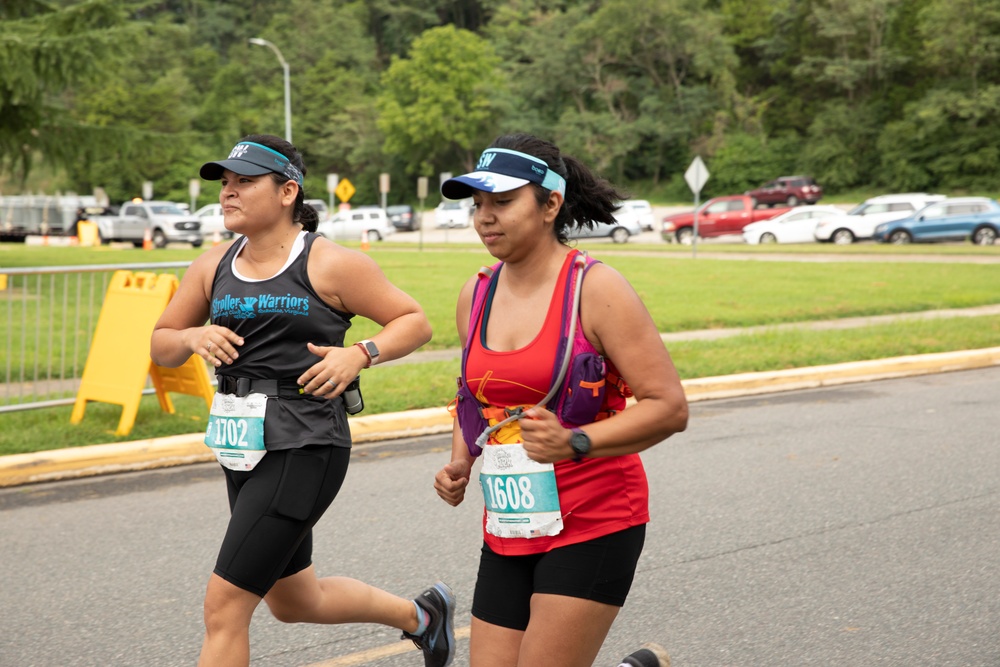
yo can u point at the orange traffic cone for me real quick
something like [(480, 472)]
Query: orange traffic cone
[(364, 240), (147, 239), (216, 238)]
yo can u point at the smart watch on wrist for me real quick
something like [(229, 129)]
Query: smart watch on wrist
[(580, 442), (370, 349)]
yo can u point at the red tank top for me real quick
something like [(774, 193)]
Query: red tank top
[(597, 496)]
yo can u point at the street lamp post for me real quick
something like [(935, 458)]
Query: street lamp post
[(288, 95)]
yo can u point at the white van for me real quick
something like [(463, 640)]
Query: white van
[(641, 209), (453, 213), (349, 225), (860, 222)]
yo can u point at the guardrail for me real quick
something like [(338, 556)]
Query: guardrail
[(48, 319)]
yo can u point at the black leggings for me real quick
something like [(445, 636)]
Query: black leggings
[(274, 507)]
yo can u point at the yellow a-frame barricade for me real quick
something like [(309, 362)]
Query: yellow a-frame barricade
[(118, 362)]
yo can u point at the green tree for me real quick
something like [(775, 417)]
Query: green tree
[(948, 139), (46, 53), (962, 38), (441, 106)]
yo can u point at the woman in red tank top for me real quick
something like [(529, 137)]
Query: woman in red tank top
[(566, 503)]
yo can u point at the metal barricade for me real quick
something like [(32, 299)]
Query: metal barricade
[(47, 321)]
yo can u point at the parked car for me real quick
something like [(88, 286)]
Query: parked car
[(788, 190), (454, 213), (956, 219), (164, 221), (321, 209), (403, 218), (860, 222), (796, 225), (212, 221), (352, 223), (716, 217), (642, 210), (625, 226)]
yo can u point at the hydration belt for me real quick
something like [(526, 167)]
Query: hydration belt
[(241, 386)]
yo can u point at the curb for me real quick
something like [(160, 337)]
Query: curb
[(59, 464)]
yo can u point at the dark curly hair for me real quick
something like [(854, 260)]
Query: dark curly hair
[(303, 214), (589, 198)]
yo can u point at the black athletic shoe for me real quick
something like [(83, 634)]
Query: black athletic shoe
[(438, 640), (650, 655)]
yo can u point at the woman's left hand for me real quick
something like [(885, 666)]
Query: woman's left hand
[(544, 439), (335, 370)]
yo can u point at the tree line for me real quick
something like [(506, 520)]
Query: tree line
[(899, 95)]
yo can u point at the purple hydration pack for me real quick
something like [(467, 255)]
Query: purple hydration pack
[(578, 387)]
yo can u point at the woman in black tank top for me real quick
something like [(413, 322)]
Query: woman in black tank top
[(278, 301)]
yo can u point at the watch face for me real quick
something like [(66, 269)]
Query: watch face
[(372, 349), (580, 442)]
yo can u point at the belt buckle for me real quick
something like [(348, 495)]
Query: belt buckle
[(242, 386)]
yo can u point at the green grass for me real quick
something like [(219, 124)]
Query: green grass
[(681, 295), (410, 386)]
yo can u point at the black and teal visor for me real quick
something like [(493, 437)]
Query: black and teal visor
[(502, 170), (250, 159)]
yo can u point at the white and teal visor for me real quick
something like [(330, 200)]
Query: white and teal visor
[(251, 159), (502, 170)]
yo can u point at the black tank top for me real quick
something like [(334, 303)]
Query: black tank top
[(276, 317)]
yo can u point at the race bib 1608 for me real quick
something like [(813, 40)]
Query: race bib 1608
[(521, 496)]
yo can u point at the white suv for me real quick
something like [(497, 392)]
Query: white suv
[(352, 223), (453, 213), (860, 222)]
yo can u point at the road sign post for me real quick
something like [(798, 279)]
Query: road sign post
[(194, 189), (383, 187), (421, 196), (332, 181), (696, 175)]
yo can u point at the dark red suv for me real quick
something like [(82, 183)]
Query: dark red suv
[(790, 190)]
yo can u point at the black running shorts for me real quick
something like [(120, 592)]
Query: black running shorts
[(274, 507), (601, 570)]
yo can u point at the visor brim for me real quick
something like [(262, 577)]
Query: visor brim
[(462, 187), (212, 171)]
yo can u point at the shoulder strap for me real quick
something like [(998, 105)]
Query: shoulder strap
[(479, 292), (570, 303)]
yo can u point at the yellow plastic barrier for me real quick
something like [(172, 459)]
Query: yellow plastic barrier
[(87, 232), (118, 362), (3, 282), (189, 378)]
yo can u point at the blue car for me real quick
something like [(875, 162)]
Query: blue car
[(955, 219)]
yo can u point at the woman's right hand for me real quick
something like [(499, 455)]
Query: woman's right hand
[(451, 481), (213, 343)]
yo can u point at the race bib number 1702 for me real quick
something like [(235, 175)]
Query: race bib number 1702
[(236, 430)]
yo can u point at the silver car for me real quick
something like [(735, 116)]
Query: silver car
[(626, 225)]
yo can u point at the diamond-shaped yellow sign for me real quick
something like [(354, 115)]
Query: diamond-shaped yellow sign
[(345, 190)]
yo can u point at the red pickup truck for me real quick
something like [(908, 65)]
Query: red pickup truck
[(716, 217)]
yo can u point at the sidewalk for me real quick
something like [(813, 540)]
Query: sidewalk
[(19, 469)]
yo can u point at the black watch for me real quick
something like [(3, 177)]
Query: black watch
[(580, 442)]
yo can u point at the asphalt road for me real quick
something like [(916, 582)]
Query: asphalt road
[(848, 526)]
